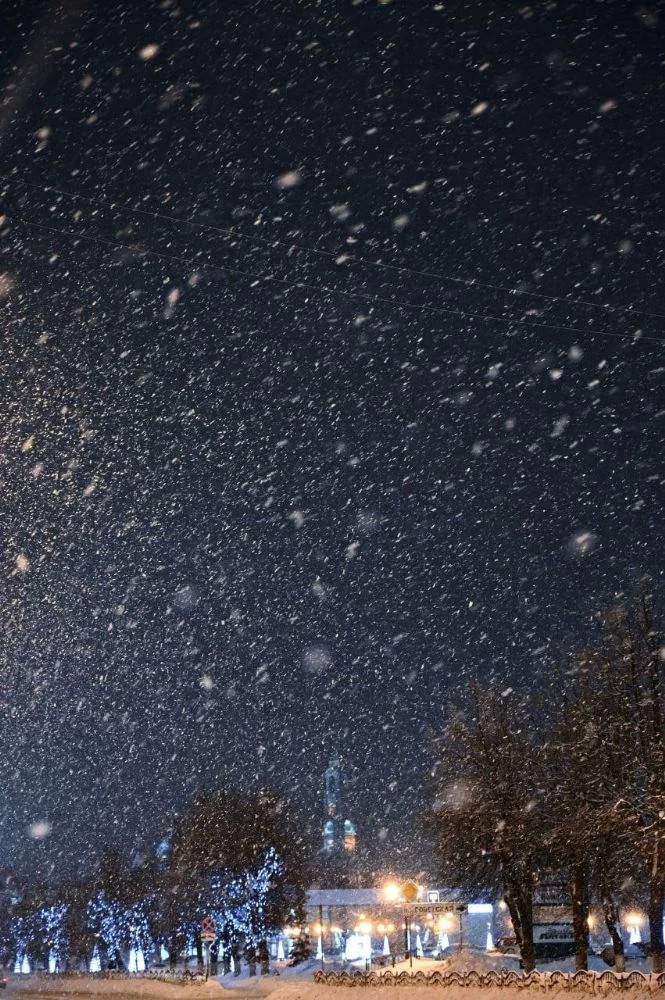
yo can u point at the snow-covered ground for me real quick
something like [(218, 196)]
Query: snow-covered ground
[(286, 983), (464, 961), (131, 986)]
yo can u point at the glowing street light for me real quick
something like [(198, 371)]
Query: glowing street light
[(392, 892), (406, 893)]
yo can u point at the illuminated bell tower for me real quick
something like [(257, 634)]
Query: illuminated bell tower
[(339, 834)]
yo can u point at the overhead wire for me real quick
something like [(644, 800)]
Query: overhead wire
[(307, 286), (272, 242)]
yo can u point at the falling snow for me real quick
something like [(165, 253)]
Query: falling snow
[(332, 380)]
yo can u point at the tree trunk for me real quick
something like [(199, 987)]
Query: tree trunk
[(226, 959), (264, 957), (579, 894), (527, 949), (514, 918), (611, 915), (199, 952), (656, 909), (520, 907), (173, 952)]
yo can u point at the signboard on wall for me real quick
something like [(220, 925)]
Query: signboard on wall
[(434, 908)]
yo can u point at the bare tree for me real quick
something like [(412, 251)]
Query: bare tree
[(632, 645), (486, 820), (585, 765)]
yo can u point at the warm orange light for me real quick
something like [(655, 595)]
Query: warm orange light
[(392, 892)]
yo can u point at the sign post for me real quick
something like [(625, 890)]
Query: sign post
[(208, 935), (323, 961), (409, 894)]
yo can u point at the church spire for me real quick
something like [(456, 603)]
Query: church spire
[(339, 833)]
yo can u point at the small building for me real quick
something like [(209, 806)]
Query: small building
[(371, 924)]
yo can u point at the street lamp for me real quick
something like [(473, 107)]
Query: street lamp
[(405, 893), (392, 892)]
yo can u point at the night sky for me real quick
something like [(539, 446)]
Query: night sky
[(332, 378)]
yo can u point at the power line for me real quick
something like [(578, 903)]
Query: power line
[(365, 296), (266, 241)]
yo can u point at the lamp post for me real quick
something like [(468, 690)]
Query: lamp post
[(407, 893)]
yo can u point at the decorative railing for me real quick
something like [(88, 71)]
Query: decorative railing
[(585, 982)]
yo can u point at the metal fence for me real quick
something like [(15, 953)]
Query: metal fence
[(581, 982)]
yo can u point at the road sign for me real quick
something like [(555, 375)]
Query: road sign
[(208, 929), (410, 891), (438, 907)]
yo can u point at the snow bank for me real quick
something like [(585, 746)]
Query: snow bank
[(125, 986)]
